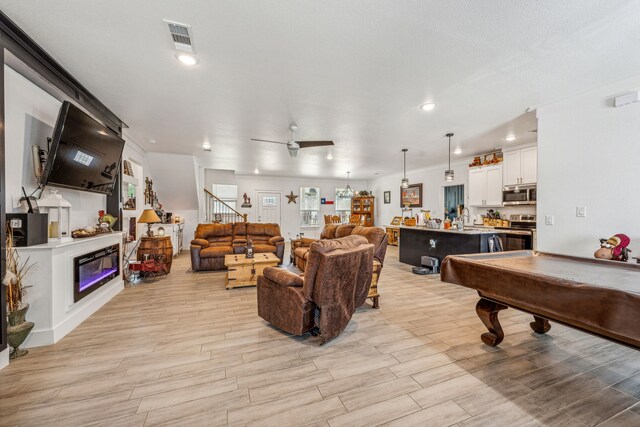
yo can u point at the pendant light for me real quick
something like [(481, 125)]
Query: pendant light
[(405, 181), (448, 174), (347, 192)]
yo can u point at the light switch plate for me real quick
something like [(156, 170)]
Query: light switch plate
[(581, 211), (549, 219)]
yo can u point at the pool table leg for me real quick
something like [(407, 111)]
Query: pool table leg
[(488, 313), (540, 325)]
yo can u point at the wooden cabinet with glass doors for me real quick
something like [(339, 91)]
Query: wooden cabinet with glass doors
[(365, 207)]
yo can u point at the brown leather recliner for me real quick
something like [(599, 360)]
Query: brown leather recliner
[(375, 235), (213, 241), (335, 283)]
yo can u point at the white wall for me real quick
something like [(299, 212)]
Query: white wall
[(290, 223), (30, 115), (175, 179), (433, 183), (588, 155)]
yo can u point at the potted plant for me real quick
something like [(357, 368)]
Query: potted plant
[(16, 271)]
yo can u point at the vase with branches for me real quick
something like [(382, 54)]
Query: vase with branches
[(14, 281)]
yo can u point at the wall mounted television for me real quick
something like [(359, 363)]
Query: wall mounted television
[(84, 154)]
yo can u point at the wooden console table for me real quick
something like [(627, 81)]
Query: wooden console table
[(393, 234)]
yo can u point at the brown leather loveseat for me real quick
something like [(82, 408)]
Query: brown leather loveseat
[(213, 241), (335, 283), (374, 235)]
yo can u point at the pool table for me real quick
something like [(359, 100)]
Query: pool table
[(596, 296)]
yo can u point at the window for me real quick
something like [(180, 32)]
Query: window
[(309, 206), (343, 205), (269, 201), (228, 194)]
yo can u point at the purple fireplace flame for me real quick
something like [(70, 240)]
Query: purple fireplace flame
[(87, 282), (95, 269)]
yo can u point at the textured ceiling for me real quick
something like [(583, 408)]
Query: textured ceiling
[(352, 71)]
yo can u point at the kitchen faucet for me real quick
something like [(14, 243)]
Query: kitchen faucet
[(461, 218)]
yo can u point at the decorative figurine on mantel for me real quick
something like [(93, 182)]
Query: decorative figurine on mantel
[(247, 201), (614, 248), (248, 250)]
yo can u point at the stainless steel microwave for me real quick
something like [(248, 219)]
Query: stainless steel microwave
[(519, 195)]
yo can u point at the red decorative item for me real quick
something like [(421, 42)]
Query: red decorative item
[(101, 214)]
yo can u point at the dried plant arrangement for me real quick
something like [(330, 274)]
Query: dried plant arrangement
[(14, 276)]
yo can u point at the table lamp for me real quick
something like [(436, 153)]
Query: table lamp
[(149, 216)]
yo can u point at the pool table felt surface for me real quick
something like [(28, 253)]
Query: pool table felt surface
[(601, 297)]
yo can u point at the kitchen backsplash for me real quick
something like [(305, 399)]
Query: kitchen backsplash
[(505, 211)]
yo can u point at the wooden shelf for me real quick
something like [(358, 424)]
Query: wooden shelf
[(365, 207)]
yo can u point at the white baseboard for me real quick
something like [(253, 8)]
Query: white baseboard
[(4, 358), (39, 338)]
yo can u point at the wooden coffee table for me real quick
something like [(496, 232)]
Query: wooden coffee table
[(244, 271)]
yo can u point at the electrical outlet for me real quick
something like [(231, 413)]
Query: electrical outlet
[(581, 211), (433, 242), (549, 220)]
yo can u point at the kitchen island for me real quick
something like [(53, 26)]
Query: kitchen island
[(418, 241)]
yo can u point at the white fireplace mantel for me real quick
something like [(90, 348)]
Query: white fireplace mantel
[(50, 296)]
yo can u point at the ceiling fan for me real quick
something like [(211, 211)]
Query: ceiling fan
[(293, 146)]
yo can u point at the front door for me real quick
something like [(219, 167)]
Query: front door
[(269, 207)]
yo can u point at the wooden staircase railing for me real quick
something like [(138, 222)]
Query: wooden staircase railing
[(218, 211)]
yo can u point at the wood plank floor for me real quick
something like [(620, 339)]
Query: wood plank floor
[(185, 351)]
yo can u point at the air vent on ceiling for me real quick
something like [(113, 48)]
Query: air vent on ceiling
[(181, 36)]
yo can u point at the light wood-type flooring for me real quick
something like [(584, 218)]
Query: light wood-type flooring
[(185, 351)]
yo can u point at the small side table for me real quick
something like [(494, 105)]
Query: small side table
[(159, 248)]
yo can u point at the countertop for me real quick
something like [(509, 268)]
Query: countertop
[(467, 230), (472, 229)]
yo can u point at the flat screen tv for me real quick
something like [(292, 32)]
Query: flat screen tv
[(84, 154)]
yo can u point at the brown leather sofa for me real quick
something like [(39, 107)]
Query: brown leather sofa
[(335, 283), (374, 235), (213, 241)]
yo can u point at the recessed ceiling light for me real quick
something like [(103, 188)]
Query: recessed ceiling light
[(329, 156), (510, 138), (152, 141), (256, 171), (428, 106), (457, 151), (187, 59), (206, 146)]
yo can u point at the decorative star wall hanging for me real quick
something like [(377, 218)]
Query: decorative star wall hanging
[(292, 197)]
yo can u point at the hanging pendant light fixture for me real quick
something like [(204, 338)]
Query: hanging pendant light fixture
[(405, 181), (448, 174), (347, 192)]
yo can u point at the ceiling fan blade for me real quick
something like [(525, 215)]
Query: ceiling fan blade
[(307, 144), (266, 140)]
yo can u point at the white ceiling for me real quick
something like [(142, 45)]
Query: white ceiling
[(352, 71)]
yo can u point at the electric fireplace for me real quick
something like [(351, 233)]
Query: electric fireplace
[(92, 270)]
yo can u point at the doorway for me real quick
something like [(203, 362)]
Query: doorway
[(269, 207), (453, 201)]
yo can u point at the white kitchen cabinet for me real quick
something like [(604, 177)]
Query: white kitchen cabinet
[(175, 231), (477, 185), (521, 166), (485, 186), (529, 164)]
